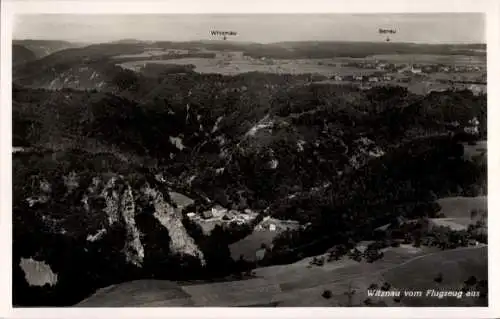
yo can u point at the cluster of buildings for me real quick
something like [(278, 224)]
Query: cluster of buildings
[(404, 73), (441, 68), (461, 68), (273, 224), (421, 67), (368, 65), (363, 78), (407, 75), (379, 76), (221, 214)]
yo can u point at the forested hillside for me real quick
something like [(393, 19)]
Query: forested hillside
[(101, 148)]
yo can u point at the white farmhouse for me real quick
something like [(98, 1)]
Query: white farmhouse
[(416, 70), (218, 211)]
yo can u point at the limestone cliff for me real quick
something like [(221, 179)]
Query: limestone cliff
[(98, 226)]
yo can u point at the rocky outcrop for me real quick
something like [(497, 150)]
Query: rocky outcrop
[(171, 219), (133, 247), (72, 229), (111, 197), (37, 273)]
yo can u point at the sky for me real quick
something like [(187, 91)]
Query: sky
[(263, 28)]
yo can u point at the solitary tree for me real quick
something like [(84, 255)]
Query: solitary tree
[(373, 254), (356, 255), (471, 281), (373, 287), (439, 278), (386, 286), (327, 294)]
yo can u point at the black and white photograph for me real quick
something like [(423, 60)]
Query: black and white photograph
[(249, 160)]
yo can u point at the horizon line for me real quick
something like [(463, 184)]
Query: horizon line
[(249, 42)]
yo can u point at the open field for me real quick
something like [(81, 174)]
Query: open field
[(453, 223), (234, 63), (460, 207), (231, 63), (300, 285), (180, 200), (431, 58), (245, 64), (423, 87), (471, 151), (463, 76), (395, 269), (236, 293), (457, 211), (150, 53), (455, 265), (249, 245), (208, 225), (141, 293)]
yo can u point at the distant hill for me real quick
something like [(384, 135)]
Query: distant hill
[(62, 64), (42, 48), (21, 55), (326, 49), (131, 41), (76, 67)]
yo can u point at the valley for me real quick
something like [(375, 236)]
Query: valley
[(233, 174)]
